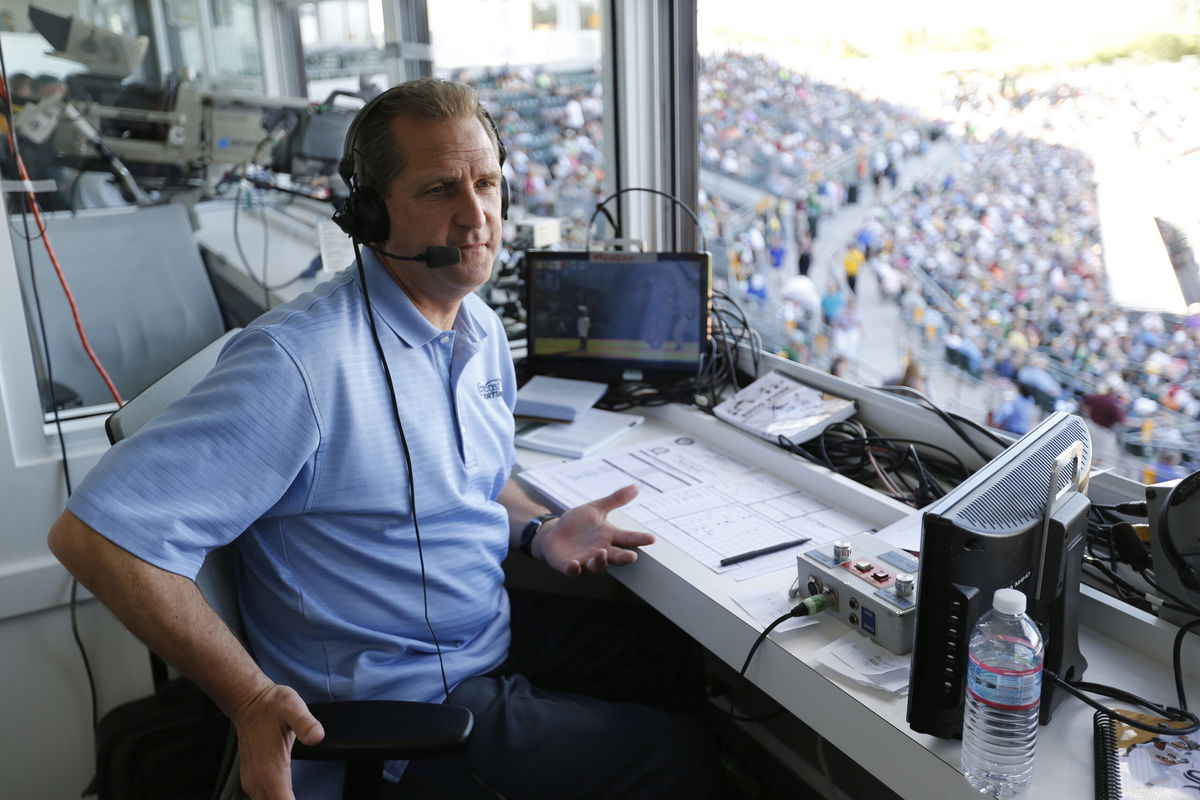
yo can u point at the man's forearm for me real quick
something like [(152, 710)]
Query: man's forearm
[(164, 610), (521, 508)]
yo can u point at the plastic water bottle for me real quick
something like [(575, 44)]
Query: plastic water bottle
[(1004, 689)]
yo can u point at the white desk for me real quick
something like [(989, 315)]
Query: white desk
[(867, 725)]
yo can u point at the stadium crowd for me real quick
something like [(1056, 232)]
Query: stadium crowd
[(998, 263)]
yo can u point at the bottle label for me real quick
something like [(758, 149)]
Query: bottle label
[(1006, 689)]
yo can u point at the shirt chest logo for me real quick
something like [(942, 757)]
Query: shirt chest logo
[(489, 390)]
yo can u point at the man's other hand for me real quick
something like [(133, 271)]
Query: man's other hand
[(267, 725)]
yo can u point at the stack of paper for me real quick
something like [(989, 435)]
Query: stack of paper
[(557, 399), (778, 405), (594, 429), (856, 657)]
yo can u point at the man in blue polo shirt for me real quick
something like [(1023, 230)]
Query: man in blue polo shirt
[(292, 439)]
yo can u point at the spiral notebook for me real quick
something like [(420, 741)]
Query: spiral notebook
[(1132, 764)]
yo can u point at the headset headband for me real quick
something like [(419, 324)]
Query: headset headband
[(346, 165)]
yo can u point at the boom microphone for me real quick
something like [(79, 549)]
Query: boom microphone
[(434, 257)]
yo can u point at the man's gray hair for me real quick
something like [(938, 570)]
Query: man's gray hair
[(377, 156)]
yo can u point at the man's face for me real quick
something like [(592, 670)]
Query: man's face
[(447, 194)]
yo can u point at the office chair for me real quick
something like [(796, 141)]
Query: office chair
[(362, 734)]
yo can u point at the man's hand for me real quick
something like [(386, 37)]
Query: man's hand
[(267, 725), (582, 538)]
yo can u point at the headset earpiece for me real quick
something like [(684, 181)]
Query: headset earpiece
[(364, 216)]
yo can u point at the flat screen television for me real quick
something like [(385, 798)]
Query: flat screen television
[(1019, 522), (610, 316)]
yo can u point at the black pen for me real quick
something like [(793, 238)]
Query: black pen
[(775, 548)]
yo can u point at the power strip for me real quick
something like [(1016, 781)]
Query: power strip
[(872, 587)]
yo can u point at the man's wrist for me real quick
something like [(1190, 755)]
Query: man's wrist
[(531, 530)]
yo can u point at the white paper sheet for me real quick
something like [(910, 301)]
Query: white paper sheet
[(709, 504), (768, 606), (861, 660)]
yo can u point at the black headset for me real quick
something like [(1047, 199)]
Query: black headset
[(364, 215), (1189, 575)]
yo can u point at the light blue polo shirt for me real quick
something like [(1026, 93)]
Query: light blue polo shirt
[(291, 439)]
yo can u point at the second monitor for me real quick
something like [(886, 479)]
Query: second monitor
[(613, 316)]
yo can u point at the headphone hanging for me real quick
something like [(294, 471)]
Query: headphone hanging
[(363, 216), (1189, 575)]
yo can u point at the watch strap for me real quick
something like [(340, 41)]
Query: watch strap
[(530, 530)]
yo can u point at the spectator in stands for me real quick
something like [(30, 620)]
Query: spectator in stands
[(831, 302), (804, 257), (1017, 414), (1036, 375), (1168, 466), (852, 262), (1105, 412), (847, 330), (913, 377)]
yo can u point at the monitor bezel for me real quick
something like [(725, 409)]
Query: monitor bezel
[(613, 369)]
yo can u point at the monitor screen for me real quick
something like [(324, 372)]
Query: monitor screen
[(612, 316), (1019, 522)]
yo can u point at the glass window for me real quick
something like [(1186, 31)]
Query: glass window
[(236, 51), (343, 47), (544, 14), (185, 41), (589, 17), (549, 112), (967, 174)]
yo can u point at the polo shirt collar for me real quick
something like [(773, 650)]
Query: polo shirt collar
[(394, 307)]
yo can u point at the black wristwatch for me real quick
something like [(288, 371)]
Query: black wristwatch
[(530, 530)]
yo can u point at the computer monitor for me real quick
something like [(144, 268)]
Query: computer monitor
[(1020, 522), (609, 316)]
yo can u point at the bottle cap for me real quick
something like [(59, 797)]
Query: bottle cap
[(1009, 601)]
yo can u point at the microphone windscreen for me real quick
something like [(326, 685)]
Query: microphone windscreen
[(440, 256)]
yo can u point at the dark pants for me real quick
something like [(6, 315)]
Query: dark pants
[(580, 711)]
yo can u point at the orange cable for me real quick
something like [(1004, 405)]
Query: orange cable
[(62, 279)]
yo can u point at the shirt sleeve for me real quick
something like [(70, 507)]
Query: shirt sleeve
[(239, 444)]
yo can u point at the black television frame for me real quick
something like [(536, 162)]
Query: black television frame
[(1019, 522), (609, 369)]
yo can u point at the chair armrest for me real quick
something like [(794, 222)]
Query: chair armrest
[(387, 730)]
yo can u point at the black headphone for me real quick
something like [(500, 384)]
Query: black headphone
[(364, 215), (1189, 575)]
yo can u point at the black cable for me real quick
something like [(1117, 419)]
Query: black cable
[(799, 610), (412, 483), (669, 196), (266, 230), (1156, 586), (1177, 659), (1078, 688), (1133, 590), (237, 241), (27, 198), (949, 420), (1136, 508)]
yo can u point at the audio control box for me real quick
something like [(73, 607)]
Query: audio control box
[(871, 585)]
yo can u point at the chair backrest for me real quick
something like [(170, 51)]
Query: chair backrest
[(149, 307), (217, 578)]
